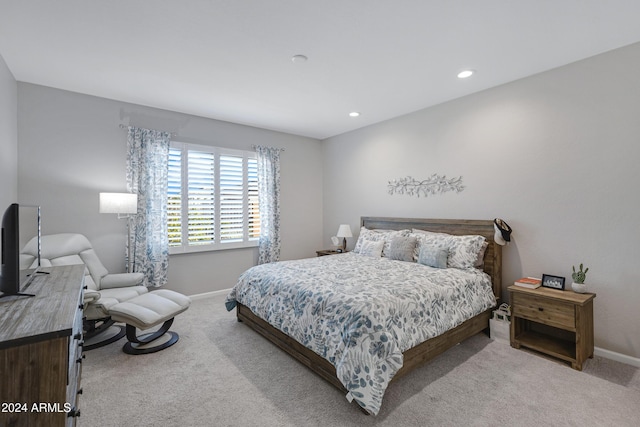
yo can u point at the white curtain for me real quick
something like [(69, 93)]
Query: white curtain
[(147, 169), (269, 202)]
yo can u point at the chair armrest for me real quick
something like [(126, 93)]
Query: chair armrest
[(91, 296), (121, 280)]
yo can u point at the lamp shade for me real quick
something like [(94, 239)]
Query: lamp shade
[(118, 203), (344, 231)]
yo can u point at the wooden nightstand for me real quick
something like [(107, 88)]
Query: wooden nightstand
[(328, 252), (557, 323)]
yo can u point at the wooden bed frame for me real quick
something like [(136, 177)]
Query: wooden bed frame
[(425, 351)]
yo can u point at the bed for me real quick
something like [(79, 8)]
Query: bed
[(361, 321)]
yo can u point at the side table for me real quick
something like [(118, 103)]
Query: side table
[(554, 322)]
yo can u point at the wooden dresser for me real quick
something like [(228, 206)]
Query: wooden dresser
[(41, 350), (554, 322)]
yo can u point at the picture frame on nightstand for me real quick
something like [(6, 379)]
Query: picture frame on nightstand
[(553, 282)]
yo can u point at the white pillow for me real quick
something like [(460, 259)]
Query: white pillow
[(464, 250), (372, 248)]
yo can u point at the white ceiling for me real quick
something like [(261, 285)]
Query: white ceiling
[(231, 59)]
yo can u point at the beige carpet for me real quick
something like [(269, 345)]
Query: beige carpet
[(221, 373)]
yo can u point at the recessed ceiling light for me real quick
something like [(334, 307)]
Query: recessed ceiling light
[(354, 114), (299, 59), (465, 74)]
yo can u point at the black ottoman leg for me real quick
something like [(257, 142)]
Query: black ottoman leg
[(138, 344)]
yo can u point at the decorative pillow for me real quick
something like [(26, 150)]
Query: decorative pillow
[(371, 248), (431, 240), (464, 251), (433, 257), (401, 248), (377, 235)]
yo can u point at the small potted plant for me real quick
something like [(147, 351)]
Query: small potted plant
[(578, 279)]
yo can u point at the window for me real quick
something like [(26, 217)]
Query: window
[(212, 198)]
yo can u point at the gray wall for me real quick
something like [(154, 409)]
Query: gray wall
[(556, 155), (71, 148), (8, 137)]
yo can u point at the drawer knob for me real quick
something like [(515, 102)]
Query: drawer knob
[(540, 309)]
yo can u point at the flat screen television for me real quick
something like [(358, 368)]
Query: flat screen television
[(20, 227)]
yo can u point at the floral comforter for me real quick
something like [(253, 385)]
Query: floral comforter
[(361, 313)]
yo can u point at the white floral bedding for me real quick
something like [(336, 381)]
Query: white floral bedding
[(361, 313)]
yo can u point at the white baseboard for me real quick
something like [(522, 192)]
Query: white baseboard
[(209, 294), (618, 357)]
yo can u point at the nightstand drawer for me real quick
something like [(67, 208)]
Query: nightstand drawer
[(544, 310)]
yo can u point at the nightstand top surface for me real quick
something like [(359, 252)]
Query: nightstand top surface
[(565, 295), (330, 252)]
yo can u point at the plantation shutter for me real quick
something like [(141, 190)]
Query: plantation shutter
[(253, 217), (231, 198), (212, 198), (174, 199), (201, 177)]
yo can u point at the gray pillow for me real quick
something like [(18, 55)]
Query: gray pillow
[(433, 257), (401, 248)]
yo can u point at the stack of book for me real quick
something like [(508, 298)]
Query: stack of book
[(528, 282)]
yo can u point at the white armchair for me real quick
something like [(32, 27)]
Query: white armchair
[(103, 290)]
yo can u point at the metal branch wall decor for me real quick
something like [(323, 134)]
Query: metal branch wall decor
[(435, 184)]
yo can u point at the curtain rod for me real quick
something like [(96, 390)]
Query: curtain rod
[(123, 126), (173, 134)]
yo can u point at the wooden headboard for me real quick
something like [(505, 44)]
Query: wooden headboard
[(492, 256)]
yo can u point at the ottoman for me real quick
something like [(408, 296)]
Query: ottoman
[(146, 311)]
